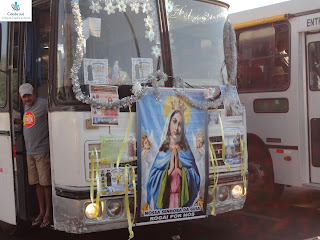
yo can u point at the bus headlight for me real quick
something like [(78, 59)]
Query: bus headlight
[(90, 211), (237, 191), (223, 194), (114, 208)]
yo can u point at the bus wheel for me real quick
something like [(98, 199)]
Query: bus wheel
[(261, 184)]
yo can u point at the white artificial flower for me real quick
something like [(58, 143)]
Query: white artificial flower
[(110, 8), (135, 7), (150, 34), (95, 7), (169, 6), (156, 51), (121, 6), (146, 7), (209, 93), (148, 21), (136, 88)]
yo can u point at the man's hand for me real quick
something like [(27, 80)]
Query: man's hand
[(17, 121)]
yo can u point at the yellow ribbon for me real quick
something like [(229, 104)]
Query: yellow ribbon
[(133, 182), (214, 162), (97, 204), (223, 146), (123, 145), (243, 167)]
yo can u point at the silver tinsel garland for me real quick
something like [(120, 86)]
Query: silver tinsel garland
[(153, 79)]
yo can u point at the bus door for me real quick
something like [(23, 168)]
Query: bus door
[(13, 167), (313, 69), (7, 201)]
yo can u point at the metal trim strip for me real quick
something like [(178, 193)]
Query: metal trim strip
[(283, 147)]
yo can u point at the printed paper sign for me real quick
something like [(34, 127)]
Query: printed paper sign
[(213, 117), (231, 113), (172, 166), (142, 68), (232, 137), (110, 149), (95, 71), (110, 186), (104, 116)]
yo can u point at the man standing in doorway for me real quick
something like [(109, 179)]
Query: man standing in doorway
[(36, 135)]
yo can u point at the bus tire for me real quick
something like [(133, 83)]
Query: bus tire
[(261, 184)]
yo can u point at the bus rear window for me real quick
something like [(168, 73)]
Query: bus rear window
[(263, 59)]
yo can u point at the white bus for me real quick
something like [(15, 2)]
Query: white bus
[(181, 38), (278, 82)]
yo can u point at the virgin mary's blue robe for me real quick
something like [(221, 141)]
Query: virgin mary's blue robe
[(158, 185)]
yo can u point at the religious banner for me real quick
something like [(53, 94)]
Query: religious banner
[(171, 157)]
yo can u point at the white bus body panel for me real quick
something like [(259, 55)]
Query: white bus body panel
[(291, 7), (68, 140), (7, 200), (292, 127)]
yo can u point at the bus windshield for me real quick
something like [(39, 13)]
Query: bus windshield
[(196, 41), (121, 44)]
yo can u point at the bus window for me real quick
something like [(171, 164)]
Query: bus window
[(314, 66), (3, 67), (133, 36), (271, 105), (263, 59), (198, 58)]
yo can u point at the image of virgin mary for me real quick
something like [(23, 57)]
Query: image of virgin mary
[(174, 178)]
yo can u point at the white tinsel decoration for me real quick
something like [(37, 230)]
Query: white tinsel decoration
[(136, 88), (209, 93)]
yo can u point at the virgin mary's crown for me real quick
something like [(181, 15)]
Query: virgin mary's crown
[(178, 105)]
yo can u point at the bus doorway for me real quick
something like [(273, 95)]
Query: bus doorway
[(24, 57), (313, 89)]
